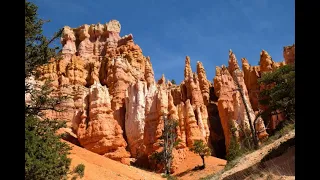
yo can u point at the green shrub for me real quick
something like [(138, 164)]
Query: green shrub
[(201, 148), (80, 170), (45, 155), (234, 150), (169, 177)]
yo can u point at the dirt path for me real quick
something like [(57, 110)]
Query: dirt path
[(255, 157)]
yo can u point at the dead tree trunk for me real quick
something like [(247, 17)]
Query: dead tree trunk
[(169, 136), (254, 137)]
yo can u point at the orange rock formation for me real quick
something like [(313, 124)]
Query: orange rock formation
[(115, 102), (289, 54), (253, 73), (230, 104), (98, 131)]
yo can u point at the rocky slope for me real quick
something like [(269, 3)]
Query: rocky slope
[(275, 159), (116, 107)]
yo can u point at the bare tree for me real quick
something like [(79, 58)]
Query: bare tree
[(254, 137), (169, 141)]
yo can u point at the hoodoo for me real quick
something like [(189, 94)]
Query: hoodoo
[(116, 107)]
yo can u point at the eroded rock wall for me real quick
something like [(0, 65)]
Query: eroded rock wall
[(115, 103), (98, 131), (231, 104), (253, 73)]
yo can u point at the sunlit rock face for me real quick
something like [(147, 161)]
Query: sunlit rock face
[(117, 108)]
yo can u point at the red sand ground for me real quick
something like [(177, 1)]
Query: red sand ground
[(185, 170), (98, 167)]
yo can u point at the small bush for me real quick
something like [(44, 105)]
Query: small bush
[(237, 150), (201, 148), (234, 150), (80, 170), (172, 178), (169, 177)]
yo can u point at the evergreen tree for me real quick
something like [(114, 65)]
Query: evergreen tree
[(279, 94), (45, 155), (37, 50)]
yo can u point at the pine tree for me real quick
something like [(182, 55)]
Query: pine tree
[(45, 155), (280, 94), (37, 50)]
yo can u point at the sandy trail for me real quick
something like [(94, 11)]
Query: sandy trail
[(255, 157)]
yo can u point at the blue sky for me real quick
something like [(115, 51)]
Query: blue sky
[(168, 30)]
